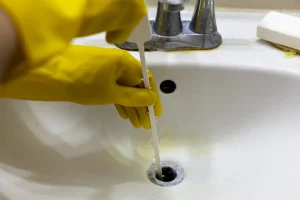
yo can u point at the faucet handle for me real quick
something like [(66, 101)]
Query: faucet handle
[(204, 20), (168, 19), (173, 5), (173, 1)]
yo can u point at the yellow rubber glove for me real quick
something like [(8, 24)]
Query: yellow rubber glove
[(54, 70)]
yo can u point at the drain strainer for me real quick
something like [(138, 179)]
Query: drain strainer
[(173, 174)]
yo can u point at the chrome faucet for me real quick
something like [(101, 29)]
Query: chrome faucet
[(170, 33)]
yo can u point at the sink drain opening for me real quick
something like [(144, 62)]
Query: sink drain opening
[(172, 173), (168, 174)]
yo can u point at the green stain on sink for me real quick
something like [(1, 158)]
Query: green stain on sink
[(137, 151), (290, 54)]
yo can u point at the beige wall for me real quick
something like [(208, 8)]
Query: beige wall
[(253, 4)]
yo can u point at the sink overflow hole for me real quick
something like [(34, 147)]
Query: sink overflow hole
[(168, 86)]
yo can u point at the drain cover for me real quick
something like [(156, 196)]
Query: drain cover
[(172, 173)]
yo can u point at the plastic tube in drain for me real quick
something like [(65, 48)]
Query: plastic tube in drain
[(140, 35)]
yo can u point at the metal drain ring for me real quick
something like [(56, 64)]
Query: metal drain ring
[(151, 174)]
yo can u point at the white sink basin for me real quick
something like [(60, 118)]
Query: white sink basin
[(232, 124)]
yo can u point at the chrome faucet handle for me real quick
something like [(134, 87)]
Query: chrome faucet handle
[(204, 20), (173, 5)]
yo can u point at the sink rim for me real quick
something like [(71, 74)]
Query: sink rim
[(239, 46)]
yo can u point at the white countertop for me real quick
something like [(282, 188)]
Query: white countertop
[(240, 48)]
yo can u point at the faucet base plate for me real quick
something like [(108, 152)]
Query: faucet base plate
[(187, 40)]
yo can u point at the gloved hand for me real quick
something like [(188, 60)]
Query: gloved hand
[(54, 70), (139, 115)]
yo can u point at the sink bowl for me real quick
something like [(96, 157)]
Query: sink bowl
[(232, 124)]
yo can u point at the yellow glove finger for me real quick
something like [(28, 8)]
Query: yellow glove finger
[(133, 116), (144, 117), (122, 111), (157, 106), (119, 37), (117, 17), (131, 75), (134, 97)]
